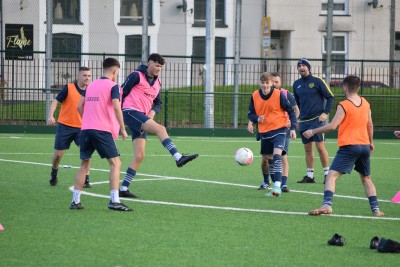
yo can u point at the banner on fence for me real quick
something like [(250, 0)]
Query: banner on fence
[(19, 41), (266, 37)]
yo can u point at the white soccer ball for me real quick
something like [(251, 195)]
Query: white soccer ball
[(244, 156)]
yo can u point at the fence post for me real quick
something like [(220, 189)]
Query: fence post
[(166, 110), (362, 75)]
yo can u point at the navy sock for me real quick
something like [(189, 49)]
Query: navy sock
[(328, 198), (278, 167), (170, 146), (54, 172), (87, 178), (266, 178), (284, 180), (271, 169), (130, 174), (373, 202)]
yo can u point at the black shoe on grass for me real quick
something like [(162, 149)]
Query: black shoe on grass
[(53, 181), (127, 194), (285, 189), (75, 206), (306, 180), (87, 185), (118, 206), (264, 186), (185, 159), (374, 243), (336, 240)]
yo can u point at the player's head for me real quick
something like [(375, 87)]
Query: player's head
[(84, 76), (266, 80), (111, 68), (276, 80), (155, 62), (351, 84), (304, 67)]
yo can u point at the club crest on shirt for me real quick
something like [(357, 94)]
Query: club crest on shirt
[(311, 85)]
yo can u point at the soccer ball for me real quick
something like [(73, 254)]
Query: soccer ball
[(244, 156)]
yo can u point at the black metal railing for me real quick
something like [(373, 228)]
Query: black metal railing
[(183, 109)]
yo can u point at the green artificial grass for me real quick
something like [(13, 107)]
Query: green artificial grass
[(208, 213)]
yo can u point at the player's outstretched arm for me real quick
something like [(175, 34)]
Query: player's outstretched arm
[(50, 119)]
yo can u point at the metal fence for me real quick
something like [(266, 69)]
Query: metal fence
[(23, 94), (183, 109)]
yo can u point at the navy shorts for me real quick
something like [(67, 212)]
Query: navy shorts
[(309, 125), (268, 144), (65, 135), (135, 119), (347, 157), (287, 141), (101, 141)]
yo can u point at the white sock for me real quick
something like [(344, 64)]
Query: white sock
[(310, 172), (277, 184), (123, 188), (115, 196), (326, 170), (177, 156), (76, 197)]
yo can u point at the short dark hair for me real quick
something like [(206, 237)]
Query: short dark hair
[(156, 58), (83, 68), (275, 74), (110, 62), (352, 83), (266, 76)]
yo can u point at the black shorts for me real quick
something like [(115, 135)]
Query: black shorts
[(347, 157), (309, 125), (268, 144), (101, 141), (65, 135), (134, 120)]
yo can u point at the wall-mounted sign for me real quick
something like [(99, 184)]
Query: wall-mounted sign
[(266, 37), (19, 41)]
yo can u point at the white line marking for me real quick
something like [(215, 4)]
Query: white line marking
[(71, 188), (159, 177), (163, 177)]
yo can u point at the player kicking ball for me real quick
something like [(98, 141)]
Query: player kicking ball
[(141, 102), (355, 140)]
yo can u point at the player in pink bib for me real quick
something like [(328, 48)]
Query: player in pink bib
[(141, 102), (102, 120)]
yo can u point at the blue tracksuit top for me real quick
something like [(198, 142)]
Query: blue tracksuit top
[(310, 92)]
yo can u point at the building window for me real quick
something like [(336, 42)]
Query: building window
[(133, 47), (131, 12), (397, 42), (340, 7), (66, 11), (200, 13), (199, 49), (339, 52), (67, 46)]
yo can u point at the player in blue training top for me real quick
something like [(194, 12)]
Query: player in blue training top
[(315, 101)]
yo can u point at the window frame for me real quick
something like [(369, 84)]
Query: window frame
[(64, 55), (220, 45), (336, 34), (336, 53), (336, 12), (397, 41), (135, 37), (65, 5), (135, 20), (220, 13)]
